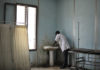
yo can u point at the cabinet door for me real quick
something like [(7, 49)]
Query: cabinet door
[(6, 60)]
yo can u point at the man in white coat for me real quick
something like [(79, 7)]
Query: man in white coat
[(64, 45)]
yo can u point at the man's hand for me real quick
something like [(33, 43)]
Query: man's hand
[(54, 44), (68, 49)]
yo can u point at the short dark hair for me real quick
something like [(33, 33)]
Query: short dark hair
[(57, 32)]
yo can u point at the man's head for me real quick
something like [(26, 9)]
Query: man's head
[(57, 32)]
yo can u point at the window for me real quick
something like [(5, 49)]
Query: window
[(32, 27), (26, 15), (20, 15)]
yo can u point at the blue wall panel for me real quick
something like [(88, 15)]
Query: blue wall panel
[(46, 26), (85, 17), (65, 13), (98, 24)]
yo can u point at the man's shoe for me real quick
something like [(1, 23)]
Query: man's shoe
[(62, 67), (69, 65)]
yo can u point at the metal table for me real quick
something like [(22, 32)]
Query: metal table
[(92, 61)]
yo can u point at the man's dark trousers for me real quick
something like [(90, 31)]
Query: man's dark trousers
[(65, 53)]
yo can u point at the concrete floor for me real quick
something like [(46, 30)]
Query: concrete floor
[(49, 68)]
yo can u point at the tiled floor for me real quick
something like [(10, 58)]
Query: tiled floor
[(49, 68)]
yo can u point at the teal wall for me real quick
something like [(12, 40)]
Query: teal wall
[(98, 24), (68, 20), (63, 15), (1, 9), (46, 27), (85, 16)]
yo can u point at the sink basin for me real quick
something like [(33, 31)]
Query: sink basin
[(51, 50), (50, 47)]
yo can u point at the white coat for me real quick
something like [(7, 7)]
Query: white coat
[(63, 43)]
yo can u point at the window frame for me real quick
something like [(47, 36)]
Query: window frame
[(27, 5)]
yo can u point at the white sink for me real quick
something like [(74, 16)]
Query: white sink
[(50, 47), (51, 50)]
